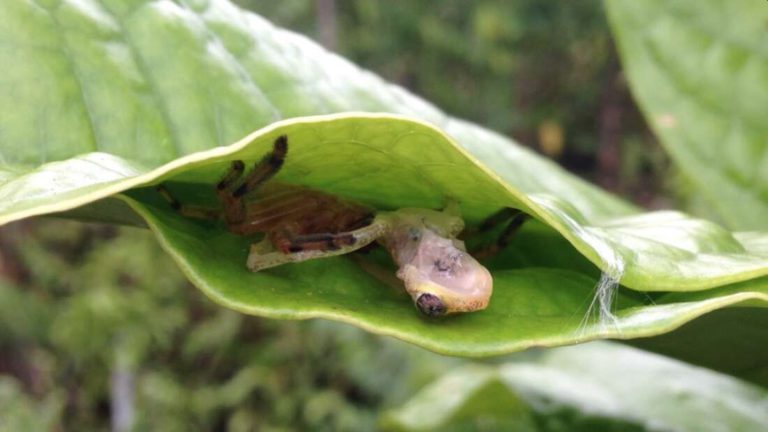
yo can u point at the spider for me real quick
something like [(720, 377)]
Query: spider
[(299, 224)]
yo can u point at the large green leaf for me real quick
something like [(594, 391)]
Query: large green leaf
[(597, 386), (709, 341), (700, 73), (92, 106)]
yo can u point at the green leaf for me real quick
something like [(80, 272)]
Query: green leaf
[(597, 386), (64, 145), (709, 342), (701, 77), (533, 306), (404, 163), (472, 398)]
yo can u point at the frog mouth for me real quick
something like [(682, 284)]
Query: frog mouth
[(465, 294)]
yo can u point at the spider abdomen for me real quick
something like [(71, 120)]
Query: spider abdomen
[(286, 212)]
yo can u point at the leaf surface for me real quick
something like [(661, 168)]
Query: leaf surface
[(701, 77), (596, 386)]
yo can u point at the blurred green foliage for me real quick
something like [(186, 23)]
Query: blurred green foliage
[(90, 303), (94, 301), (525, 68)]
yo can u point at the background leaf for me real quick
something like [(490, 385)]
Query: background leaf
[(593, 386), (709, 342), (701, 77)]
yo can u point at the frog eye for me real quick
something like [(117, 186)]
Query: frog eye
[(431, 305)]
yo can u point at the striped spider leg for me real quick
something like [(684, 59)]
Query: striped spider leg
[(298, 223), (511, 219)]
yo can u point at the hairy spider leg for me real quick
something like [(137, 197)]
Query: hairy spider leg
[(199, 212), (512, 228), (498, 218), (514, 218), (232, 209), (288, 239), (231, 177), (230, 190), (310, 246), (288, 243), (233, 193), (267, 167), (196, 212)]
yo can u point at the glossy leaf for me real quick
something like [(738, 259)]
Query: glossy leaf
[(701, 77), (597, 386), (65, 145)]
